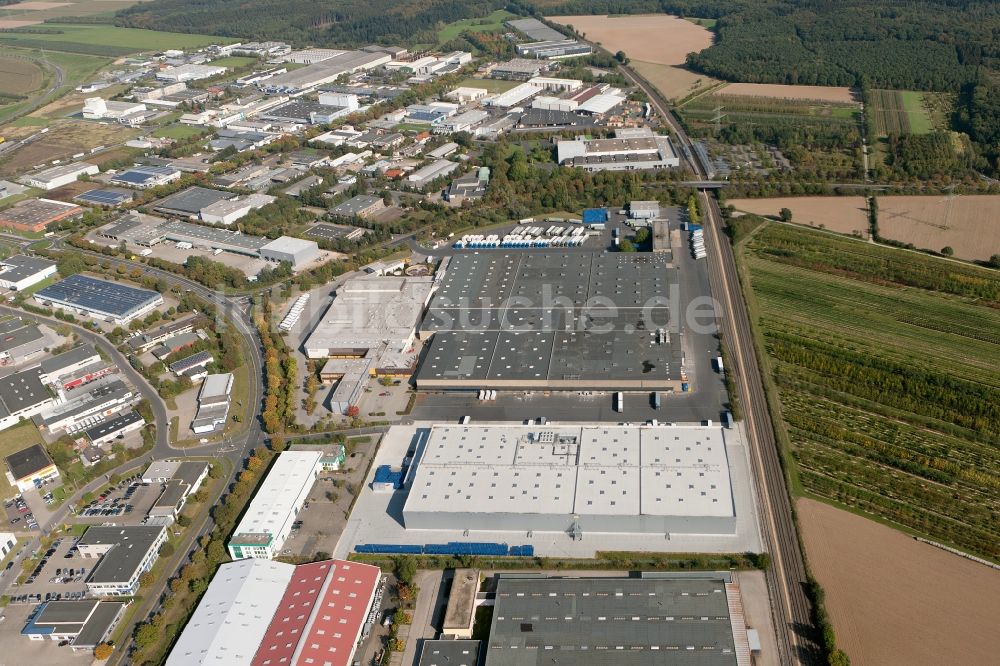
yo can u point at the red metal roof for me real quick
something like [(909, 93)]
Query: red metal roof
[(321, 614)]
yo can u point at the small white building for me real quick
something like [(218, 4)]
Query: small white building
[(189, 72), (62, 174), (96, 108), (464, 95), (20, 272), (296, 251), (268, 520), (228, 211)]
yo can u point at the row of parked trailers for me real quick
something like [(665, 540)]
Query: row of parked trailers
[(697, 242), (292, 318), (552, 237), (487, 394)]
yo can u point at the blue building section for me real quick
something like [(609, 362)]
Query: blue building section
[(384, 474), (98, 296), (595, 215), (31, 629), (142, 175), (450, 548)]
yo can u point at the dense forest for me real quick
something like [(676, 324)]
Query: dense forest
[(322, 22)]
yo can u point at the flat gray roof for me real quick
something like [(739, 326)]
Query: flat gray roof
[(621, 621), (72, 357), (23, 389), (19, 337), (450, 653), (131, 543), (28, 461), (191, 200), (553, 317), (19, 267)]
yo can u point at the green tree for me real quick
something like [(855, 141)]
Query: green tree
[(167, 549), (785, 215), (70, 264), (947, 251), (406, 569), (625, 245)]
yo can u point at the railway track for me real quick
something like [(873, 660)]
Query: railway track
[(786, 578)]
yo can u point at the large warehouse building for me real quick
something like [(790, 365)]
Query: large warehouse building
[(268, 520), (632, 149), (687, 619), (258, 613), (572, 479), (522, 321), (112, 301)]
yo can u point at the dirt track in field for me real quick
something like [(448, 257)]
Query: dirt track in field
[(896, 601)]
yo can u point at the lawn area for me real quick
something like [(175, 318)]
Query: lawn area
[(178, 131), (491, 85), (234, 62), (13, 440), (491, 23), (883, 363), (105, 40), (703, 22), (28, 291)]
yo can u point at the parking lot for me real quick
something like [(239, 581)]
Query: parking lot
[(18, 650), (19, 515), (60, 574), (126, 504)]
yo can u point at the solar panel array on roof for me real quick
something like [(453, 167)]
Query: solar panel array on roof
[(105, 197), (98, 296)]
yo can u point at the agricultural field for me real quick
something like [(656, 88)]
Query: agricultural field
[(657, 45), (33, 13), (104, 40), (178, 131), (492, 23), (822, 94), (899, 112), (845, 215), (18, 76), (894, 600), (970, 225), (884, 362)]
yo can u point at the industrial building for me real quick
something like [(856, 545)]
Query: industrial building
[(604, 479), (518, 69), (95, 108), (182, 483), (35, 215), (424, 176), (469, 187), (68, 362), (267, 522), (84, 623), (373, 317), (362, 205), (146, 341), (535, 29), (213, 403), (465, 94), (260, 613), (150, 231), (125, 552), (22, 396), (460, 613), (554, 49), (295, 251), (189, 73), (20, 341), (307, 112), (145, 176), (630, 150), (229, 211), (115, 428), (447, 652), (321, 73), (86, 407), (189, 202), (7, 542), (30, 468), (20, 272), (57, 176), (111, 301), (106, 197), (654, 619), (644, 210), (516, 96), (523, 321)]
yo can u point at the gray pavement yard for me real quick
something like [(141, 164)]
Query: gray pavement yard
[(48, 581), (325, 514), (141, 500), (382, 402), (187, 407)]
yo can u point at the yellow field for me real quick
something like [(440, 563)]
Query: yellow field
[(846, 215), (657, 45), (970, 225), (803, 93)]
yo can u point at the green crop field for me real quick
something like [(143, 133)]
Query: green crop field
[(899, 112), (491, 85), (885, 364), (178, 131), (103, 40), (492, 23)]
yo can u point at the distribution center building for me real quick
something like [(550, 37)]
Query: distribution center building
[(112, 301), (554, 321), (260, 613), (654, 619), (574, 479), (268, 520)]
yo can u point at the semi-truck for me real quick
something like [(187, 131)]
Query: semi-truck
[(619, 402), (655, 399), (718, 364)]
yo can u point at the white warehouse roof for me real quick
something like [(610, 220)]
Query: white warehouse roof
[(234, 613), (274, 501)]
